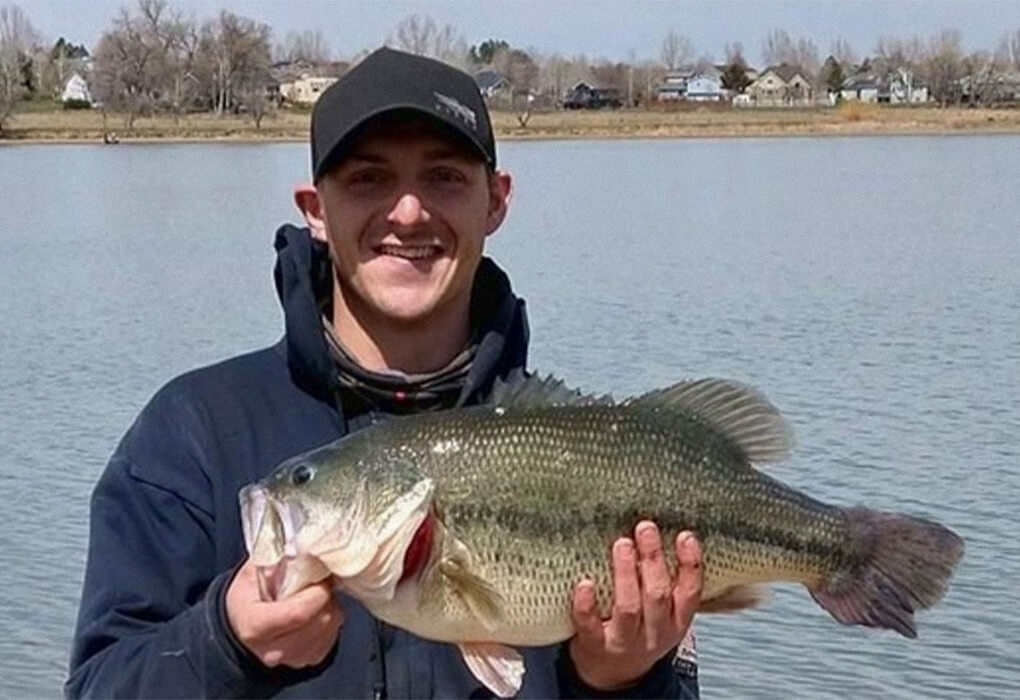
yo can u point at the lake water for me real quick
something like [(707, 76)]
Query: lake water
[(869, 286)]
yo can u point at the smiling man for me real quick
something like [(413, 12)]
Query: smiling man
[(390, 308)]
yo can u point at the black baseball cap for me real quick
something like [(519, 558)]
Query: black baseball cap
[(394, 81)]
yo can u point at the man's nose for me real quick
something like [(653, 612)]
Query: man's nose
[(408, 211)]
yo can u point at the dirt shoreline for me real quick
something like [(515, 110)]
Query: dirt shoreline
[(856, 120)]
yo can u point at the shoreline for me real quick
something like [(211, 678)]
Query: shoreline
[(855, 120)]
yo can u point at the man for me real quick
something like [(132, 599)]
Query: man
[(390, 308)]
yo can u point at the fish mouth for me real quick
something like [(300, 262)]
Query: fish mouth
[(270, 536)]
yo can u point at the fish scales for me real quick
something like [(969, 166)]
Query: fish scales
[(542, 494)]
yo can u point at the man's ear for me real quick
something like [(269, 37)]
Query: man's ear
[(306, 198), (500, 190)]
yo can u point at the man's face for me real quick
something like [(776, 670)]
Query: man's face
[(405, 214)]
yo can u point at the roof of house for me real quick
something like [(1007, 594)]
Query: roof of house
[(490, 80), (289, 71), (860, 83), (786, 71)]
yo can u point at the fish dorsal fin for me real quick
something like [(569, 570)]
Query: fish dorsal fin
[(736, 410), (499, 667), (519, 390)]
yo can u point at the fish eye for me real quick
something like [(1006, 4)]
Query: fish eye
[(302, 474)]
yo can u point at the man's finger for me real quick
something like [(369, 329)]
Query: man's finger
[(309, 645), (656, 584), (626, 619), (585, 614), (687, 589), (281, 617)]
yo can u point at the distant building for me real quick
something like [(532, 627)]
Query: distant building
[(76, 89), (860, 89), (586, 96), (493, 84), (305, 90), (694, 86), (783, 85), (899, 87), (673, 87)]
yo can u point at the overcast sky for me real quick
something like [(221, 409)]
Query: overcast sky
[(613, 29)]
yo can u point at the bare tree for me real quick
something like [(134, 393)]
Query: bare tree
[(181, 60), (124, 67), (18, 40), (252, 97), (844, 53), (175, 42), (778, 47), (234, 52), (943, 65), (677, 51), (1007, 53), (897, 55), (419, 34), (734, 53), (309, 45)]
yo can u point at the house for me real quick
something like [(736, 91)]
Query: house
[(76, 90), (864, 88), (493, 84), (898, 87), (586, 96), (306, 89), (705, 88), (989, 87), (783, 85), (673, 87), (696, 86), (901, 88)]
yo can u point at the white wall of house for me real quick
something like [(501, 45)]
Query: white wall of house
[(76, 90), (704, 88), (864, 94), (305, 90)]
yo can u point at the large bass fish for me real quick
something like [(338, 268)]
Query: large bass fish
[(473, 525)]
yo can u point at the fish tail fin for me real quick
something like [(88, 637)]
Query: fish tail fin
[(903, 564)]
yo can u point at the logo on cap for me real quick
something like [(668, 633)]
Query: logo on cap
[(454, 107)]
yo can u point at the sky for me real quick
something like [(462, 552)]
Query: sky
[(617, 30)]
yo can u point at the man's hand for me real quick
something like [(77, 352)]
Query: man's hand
[(651, 612), (297, 631)]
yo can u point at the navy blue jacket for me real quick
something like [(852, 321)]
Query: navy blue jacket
[(165, 535)]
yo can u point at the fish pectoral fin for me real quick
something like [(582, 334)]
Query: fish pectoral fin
[(480, 596), (735, 598), (499, 667)]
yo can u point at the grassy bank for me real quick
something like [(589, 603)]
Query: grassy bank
[(849, 119)]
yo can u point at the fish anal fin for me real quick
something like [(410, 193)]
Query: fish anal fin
[(735, 598), (481, 598), (500, 668)]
